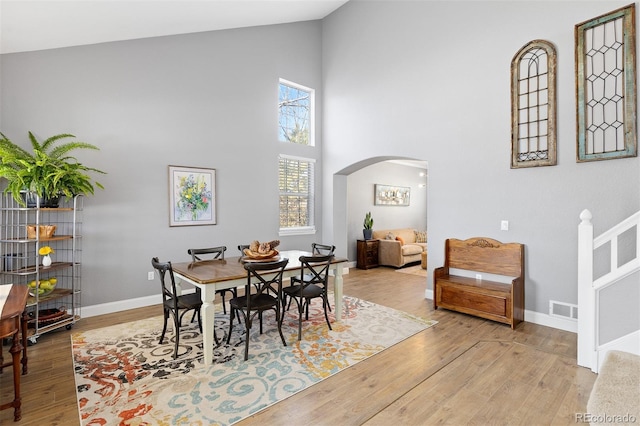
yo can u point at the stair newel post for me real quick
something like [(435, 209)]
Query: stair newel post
[(586, 294)]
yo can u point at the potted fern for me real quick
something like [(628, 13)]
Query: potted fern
[(48, 172), (368, 226)]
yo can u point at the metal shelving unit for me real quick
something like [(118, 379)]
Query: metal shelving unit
[(21, 264)]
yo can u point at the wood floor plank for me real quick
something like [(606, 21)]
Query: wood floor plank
[(459, 372)]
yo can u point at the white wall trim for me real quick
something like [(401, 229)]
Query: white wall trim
[(539, 318), (122, 305), (140, 302), (570, 325)]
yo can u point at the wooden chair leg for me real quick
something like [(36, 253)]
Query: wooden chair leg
[(164, 328), (231, 316), (176, 322), (325, 304), (24, 330)]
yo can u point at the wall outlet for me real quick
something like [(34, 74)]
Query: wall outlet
[(150, 276), (478, 276), (504, 225)]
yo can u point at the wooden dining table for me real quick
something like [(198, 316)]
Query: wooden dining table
[(13, 324), (212, 275)]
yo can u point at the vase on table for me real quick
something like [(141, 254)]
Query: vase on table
[(46, 261)]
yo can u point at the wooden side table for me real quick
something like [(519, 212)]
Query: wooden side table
[(13, 324), (367, 254)]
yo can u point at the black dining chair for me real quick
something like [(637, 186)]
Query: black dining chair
[(312, 283), (175, 305), (319, 250), (212, 253), (263, 292), (322, 249)]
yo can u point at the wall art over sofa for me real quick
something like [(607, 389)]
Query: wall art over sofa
[(390, 195)]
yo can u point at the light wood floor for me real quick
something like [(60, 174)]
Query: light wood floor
[(464, 370)]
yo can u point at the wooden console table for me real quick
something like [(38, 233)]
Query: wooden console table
[(12, 322), (367, 254)]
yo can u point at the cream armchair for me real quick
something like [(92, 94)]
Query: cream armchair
[(398, 247)]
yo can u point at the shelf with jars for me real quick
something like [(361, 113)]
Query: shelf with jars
[(41, 247)]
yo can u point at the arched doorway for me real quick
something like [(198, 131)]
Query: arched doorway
[(353, 196)]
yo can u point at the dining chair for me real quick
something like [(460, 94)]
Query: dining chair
[(241, 248), (319, 250), (312, 283), (173, 304), (212, 253), (322, 249), (263, 278)]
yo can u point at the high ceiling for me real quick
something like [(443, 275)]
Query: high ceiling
[(27, 25)]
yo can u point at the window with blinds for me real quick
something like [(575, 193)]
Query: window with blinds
[(296, 190)]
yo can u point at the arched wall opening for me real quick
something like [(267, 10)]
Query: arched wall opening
[(353, 197)]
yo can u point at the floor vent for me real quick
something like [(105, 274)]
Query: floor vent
[(563, 310)]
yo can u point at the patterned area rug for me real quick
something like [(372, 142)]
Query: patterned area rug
[(413, 270), (123, 376)]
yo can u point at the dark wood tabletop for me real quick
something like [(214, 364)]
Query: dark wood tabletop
[(15, 304), (232, 268)]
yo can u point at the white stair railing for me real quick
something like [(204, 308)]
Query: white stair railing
[(589, 345)]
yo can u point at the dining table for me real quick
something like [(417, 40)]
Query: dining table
[(13, 324), (217, 274)]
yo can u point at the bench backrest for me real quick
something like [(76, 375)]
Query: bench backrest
[(485, 255)]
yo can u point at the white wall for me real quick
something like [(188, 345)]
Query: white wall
[(431, 80), (205, 100)]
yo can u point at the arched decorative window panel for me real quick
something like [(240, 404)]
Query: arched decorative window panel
[(606, 86), (533, 105)]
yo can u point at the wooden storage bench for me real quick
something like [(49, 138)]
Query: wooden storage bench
[(503, 302)]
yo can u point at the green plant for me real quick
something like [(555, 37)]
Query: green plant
[(368, 221), (49, 171)]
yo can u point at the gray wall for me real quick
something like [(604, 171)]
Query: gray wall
[(360, 192), (205, 100), (421, 80), (431, 80)]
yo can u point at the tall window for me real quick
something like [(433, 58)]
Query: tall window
[(295, 113), (296, 178)]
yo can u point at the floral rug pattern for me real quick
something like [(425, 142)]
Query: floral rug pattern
[(123, 376)]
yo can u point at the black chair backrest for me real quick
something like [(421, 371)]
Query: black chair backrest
[(217, 252), (322, 249), (315, 269), (241, 248), (257, 275), (164, 269)]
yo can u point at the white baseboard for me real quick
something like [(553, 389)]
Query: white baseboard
[(122, 305), (566, 324), (570, 325), (140, 302)]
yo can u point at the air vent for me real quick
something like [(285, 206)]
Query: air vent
[(563, 310)]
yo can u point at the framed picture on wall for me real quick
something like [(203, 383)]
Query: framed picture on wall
[(391, 195), (606, 86), (192, 198)]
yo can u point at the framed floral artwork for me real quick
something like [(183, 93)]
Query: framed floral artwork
[(192, 196)]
